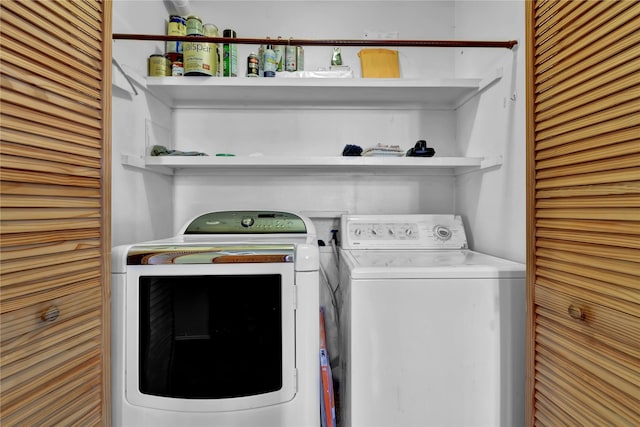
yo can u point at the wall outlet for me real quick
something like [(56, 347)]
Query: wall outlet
[(381, 35)]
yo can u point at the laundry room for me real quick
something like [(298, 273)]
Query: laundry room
[(292, 213), (182, 148)]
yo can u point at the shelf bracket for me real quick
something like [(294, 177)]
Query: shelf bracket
[(491, 162), (484, 84), (126, 76), (138, 162), (485, 164)]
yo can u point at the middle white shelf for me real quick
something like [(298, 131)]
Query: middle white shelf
[(277, 164)]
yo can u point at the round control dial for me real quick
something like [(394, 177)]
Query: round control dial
[(247, 222), (441, 232)]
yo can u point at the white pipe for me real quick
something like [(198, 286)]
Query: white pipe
[(181, 7)]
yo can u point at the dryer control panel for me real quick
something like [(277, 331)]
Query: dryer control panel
[(402, 232)]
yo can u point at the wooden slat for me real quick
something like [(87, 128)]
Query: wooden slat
[(27, 164), (579, 104), (12, 284), (555, 27), (567, 404), (31, 152), (627, 109), (581, 97), (545, 8), (40, 62), (606, 177), (615, 296), (43, 361), (550, 410), (587, 167), (559, 53), (20, 252), (72, 331), (601, 251), (28, 77), (587, 236), (17, 175), (600, 409), (544, 416), (64, 136), (10, 240), (622, 201), (86, 11), (20, 214), (599, 319), (630, 268), (614, 397), (595, 153), (26, 295), (46, 143), (604, 272), (27, 68), (594, 75), (85, 113), (583, 407), (26, 189), (20, 111), (49, 336), (80, 251), (626, 214), (77, 410), (45, 226), (46, 371), (610, 365), (620, 188), (34, 13), (87, 26), (15, 324), (560, 316), (592, 24), (48, 202), (41, 106), (18, 404), (557, 11), (606, 129)]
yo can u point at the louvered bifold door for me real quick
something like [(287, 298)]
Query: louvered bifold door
[(54, 211), (583, 164)]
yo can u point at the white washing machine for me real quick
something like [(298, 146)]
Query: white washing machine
[(218, 326), (433, 334)]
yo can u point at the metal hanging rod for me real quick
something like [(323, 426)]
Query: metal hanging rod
[(510, 44)]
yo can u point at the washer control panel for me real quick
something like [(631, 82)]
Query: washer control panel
[(402, 231)]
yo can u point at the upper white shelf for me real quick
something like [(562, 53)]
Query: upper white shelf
[(283, 92)]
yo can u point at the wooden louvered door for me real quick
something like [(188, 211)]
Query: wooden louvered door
[(583, 147), (55, 211)]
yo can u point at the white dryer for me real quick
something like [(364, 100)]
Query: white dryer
[(433, 334)]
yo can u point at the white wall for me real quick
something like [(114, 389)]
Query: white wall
[(149, 206), (317, 131), (142, 201), (493, 124)]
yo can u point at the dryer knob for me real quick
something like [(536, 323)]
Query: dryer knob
[(247, 222)]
